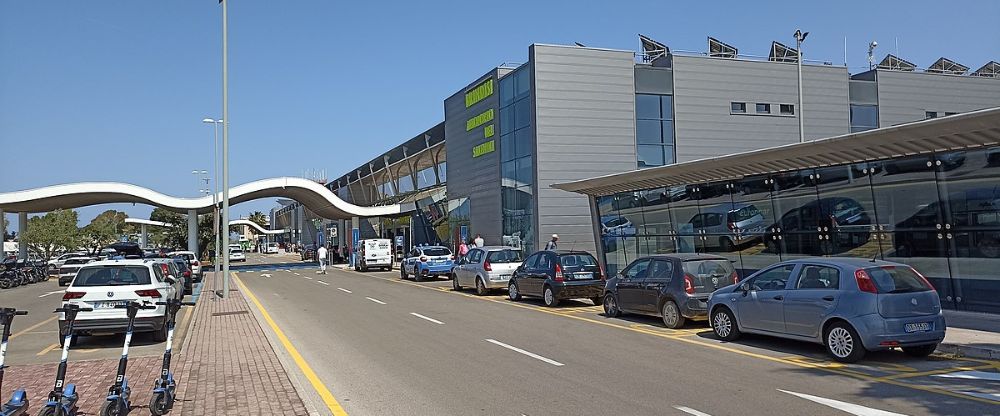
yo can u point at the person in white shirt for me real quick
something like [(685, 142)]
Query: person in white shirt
[(321, 256), (479, 241)]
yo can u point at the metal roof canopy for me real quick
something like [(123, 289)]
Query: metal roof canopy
[(896, 63), (720, 49), (990, 70), (961, 131), (782, 53), (947, 66)]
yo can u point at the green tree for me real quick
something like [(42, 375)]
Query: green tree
[(174, 235), (53, 231), (104, 229), (258, 218)]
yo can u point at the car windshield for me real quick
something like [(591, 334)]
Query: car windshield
[(112, 276), (436, 251), (236, 251), (897, 279), (505, 256), (77, 261), (708, 275)]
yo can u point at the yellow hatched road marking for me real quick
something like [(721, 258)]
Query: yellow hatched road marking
[(47, 349), (30, 328)]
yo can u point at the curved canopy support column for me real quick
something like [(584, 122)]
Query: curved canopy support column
[(22, 226), (193, 231)]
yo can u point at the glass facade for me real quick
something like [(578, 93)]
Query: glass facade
[(939, 213), (517, 149), (654, 130), (863, 117)]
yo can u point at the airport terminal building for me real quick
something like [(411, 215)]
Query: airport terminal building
[(572, 113)]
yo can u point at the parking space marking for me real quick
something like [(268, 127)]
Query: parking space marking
[(50, 293), (854, 409), (322, 282), (47, 349), (972, 375), (296, 273), (375, 300), (691, 411), (528, 353), (33, 327), (935, 372), (344, 290), (307, 277), (426, 318)]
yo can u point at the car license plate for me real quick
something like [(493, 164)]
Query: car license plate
[(583, 275), (504, 277), (108, 304), (918, 327)]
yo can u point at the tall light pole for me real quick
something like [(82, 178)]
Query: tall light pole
[(800, 36), (225, 147), (871, 53), (215, 199)]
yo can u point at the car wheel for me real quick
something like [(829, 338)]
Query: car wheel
[(454, 284), (671, 315), (549, 297), (611, 306), (160, 335), (843, 343), (725, 244), (724, 325), (920, 351), (481, 289), (513, 293)]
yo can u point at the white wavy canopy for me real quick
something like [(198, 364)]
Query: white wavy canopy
[(314, 196), (256, 227)]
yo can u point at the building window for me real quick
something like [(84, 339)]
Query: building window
[(517, 169), (737, 108), (654, 130), (763, 108), (949, 113), (786, 109), (930, 114), (863, 117)]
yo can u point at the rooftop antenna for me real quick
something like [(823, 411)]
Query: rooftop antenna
[(845, 51), (871, 52)]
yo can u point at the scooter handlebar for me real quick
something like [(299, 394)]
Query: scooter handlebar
[(64, 309), (140, 306), (179, 303), (21, 313)]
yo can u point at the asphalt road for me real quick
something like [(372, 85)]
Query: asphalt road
[(384, 346), (35, 336)]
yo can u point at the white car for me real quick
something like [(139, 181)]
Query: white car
[(57, 262), (103, 285), (236, 254), (192, 260), (272, 248)]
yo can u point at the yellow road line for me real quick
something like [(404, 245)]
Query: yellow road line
[(28, 329), (47, 349), (825, 366), (933, 372), (324, 393)]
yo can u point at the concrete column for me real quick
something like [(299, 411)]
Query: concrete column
[(3, 229), (22, 226), (193, 231), (144, 235)]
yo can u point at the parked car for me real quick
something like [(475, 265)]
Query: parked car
[(102, 285), (272, 248), (973, 228), (307, 254), (849, 305), (70, 267), (183, 272), (192, 262), (56, 263), (728, 227), (375, 252), (236, 254), (126, 250), (948, 161), (486, 268), (674, 287), (558, 275), (427, 261)]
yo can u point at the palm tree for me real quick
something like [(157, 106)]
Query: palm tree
[(259, 218)]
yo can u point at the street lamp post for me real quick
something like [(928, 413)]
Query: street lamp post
[(800, 36), (215, 198), (225, 147)]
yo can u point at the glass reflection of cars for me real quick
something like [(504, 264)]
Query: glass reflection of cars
[(975, 222), (844, 220), (729, 227)]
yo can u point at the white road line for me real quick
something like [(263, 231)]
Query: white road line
[(691, 411), (307, 277), (296, 273), (528, 353), (854, 409), (426, 318), (988, 396), (51, 293), (972, 375), (322, 282), (375, 300), (265, 275), (344, 290)]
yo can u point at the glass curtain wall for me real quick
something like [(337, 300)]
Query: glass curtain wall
[(939, 213), (516, 159), (654, 130)]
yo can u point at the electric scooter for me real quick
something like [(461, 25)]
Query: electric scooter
[(117, 403), (163, 389), (62, 399), (18, 403)]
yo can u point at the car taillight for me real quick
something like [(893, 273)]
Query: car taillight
[(195, 263), (601, 268), (73, 295), (865, 283), (487, 266), (164, 268), (187, 273), (423, 259), (559, 274), (688, 284), (150, 293), (736, 277)]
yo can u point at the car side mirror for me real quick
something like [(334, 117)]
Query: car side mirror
[(745, 288)]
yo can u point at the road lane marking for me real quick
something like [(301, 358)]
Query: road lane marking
[(528, 353), (307, 277), (691, 411), (988, 396), (375, 300), (972, 375), (426, 318), (321, 389), (51, 293), (296, 274), (937, 371), (47, 349), (854, 409), (344, 290), (30, 328), (265, 275), (322, 282)]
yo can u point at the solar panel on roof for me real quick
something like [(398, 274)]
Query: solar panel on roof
[(894, 63), (782, 53), (719, 49), (947, 66), (652, 49), (990, 70)]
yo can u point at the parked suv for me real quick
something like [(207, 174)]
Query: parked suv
[(426, 261), (558, 275), (486, 268), (193, 262), (104, 284), (673, 286)]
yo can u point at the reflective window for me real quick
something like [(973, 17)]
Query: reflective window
[(864, 117), (648, 132), (738, 108), (774, 279), (763, 108), (649, 156), (654, 130), (786, 109), (647, 106), (516, 150)]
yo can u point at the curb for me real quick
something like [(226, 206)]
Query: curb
[(969, 351)]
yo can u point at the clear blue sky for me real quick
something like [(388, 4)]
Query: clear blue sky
[(116, 90)]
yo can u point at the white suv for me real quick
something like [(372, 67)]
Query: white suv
[(104, 284)]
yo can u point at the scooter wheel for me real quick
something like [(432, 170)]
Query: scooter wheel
[(110, 408), (47, 411), (158, 405)]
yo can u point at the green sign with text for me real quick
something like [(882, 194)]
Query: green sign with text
[(484, 148), (479, 93)]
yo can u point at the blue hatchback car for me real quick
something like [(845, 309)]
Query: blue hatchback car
[(849, 305)]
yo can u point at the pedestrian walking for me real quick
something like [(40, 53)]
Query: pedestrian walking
[(321, 255), (463, 249), (479, 241), (553, 244)]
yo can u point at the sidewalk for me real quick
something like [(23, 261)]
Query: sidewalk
[(227, 365), (972, 334)]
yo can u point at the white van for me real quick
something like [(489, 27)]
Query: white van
[(376, 252)]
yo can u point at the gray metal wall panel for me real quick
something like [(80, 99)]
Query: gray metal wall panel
[(475, 178), (584, 104), (704, 88), (652, 80), (863, 92), (906, 96)]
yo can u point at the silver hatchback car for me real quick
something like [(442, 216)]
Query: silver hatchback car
[(849, 305), (486, 268)]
